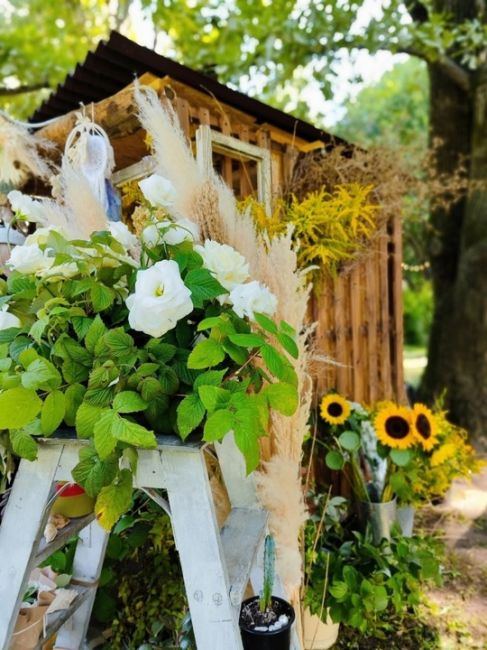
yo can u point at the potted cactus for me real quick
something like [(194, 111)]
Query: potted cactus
[(266, 620)]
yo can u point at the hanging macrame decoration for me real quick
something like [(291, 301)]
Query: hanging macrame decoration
[(88, 152), (21, 155)]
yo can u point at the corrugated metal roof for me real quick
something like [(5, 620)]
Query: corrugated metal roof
[(115, 63)]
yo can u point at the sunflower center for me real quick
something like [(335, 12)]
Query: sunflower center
[(423, 426), (397, 427), (335, 409)]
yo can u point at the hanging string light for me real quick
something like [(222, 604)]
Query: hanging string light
[(416, 268)]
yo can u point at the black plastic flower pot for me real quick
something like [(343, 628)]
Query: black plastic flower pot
[(256, 638)]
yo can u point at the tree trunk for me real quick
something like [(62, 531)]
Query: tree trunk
[(457, 356)]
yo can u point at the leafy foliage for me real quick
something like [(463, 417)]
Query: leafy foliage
[(364, 586), (75, 361)]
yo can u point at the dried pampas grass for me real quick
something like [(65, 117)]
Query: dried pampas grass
[(208, 201), (278, 489), (85, 213), (21, 154)]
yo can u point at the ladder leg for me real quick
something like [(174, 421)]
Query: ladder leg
[(88, 562), (21, 531), (197, 537)]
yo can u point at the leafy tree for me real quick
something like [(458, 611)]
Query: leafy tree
[(271, 44), (277, 39)]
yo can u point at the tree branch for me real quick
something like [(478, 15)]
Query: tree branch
[(449, 66), (20, 90)]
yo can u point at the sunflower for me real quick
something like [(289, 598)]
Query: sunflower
[(335, 409), (425, 426), (393, 427)]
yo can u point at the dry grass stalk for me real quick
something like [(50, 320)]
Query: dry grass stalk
[(21, 154), (209, 202)]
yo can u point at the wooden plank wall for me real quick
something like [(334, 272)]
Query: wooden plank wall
[(359, 314)]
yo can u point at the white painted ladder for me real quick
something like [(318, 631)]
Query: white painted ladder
[(216, 564)]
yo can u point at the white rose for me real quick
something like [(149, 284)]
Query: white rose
[(226, 264), (253, 297), (122, 234), (29, 259), (160, 300), (170, 232), (29, 208), (7, 319), (41, 235), (159, 191)]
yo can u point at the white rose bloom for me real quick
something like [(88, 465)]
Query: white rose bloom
[(41, 235), (29, 259), (160, 300), (227, 265), (31, 209), (7, 319), (247, 299), (159, 191), (122, 234), (170, 232)]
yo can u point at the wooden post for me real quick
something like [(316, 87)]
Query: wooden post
[(21, 532)]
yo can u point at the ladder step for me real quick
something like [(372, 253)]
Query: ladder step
[(241, 536), (64, 535), (57, 619)]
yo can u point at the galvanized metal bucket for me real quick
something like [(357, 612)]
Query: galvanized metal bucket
[(379, 517), (405, 519)]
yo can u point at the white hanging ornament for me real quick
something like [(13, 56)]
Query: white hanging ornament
[(88, 152)]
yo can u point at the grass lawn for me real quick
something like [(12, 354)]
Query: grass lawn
[(414, 364)]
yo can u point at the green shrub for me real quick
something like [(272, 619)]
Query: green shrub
[(418, 312)]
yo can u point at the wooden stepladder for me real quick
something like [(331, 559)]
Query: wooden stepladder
[(216, 564)]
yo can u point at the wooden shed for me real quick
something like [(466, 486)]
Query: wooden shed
[(254, 147)]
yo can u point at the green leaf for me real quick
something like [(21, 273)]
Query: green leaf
[(247, 340), (53, 411), (93, 335), (105, 441), (210, 378), (338, 589), (218, 425), (38, 329), (401, 457), (349, 440), (23, 444), (289, 345), (74, 396), (7, 335), (114, 500), (18, 407), (287, 329), (190, 413), (381, 599), (273, 360), (41, 374), (101, 296), (81, 326), (28, 356), (86, 418), (208, 323), (265, 322), (206, 354), (128, 401), (282, 397), (214, 397), (203, 286), (168, 380), (92, 473), (248, 443), (236, 354), (119, 342), (163, 352), (112, 425), (334, 460)]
